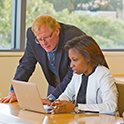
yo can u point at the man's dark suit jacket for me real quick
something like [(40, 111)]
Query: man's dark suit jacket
[(35, 53)]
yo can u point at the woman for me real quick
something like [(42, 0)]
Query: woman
[(92, 87)]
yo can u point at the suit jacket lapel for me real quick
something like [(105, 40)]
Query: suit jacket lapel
[(58, 55), (42, 57)]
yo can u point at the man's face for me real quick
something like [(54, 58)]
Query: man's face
[(48, 38)]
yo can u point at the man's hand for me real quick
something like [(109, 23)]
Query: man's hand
[(123, 114), (10, 98), (45, 101)]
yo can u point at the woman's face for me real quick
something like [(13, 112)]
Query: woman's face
[(78, 63)]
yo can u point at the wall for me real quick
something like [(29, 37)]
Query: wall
[(9, 62), (115, 61)]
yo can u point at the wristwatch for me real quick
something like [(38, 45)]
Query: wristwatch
[(76, 110), (50, 99)]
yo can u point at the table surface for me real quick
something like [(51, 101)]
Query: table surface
[(11, 113)]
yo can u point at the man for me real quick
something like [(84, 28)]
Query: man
[(45, 42)]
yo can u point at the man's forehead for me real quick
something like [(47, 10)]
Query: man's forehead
[(44, 30)]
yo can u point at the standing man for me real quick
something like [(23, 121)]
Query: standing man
[(45, 42)]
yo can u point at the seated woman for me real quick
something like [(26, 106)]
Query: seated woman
[(92, 87)]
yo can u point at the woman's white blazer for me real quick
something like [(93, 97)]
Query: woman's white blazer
[(101, 93)]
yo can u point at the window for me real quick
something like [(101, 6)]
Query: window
[(5, 23), (101, 19), (12, 24)]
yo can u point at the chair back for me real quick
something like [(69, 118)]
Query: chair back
[(120, 87)]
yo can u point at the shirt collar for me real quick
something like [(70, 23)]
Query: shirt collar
[(93, 70)]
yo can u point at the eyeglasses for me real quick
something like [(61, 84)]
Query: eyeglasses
[(43, 39)]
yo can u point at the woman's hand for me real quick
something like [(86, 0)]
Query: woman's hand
[(63, 106)]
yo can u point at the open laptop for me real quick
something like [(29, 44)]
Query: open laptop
[(28, 97)]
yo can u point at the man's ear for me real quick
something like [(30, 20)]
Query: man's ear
[(57, 31)]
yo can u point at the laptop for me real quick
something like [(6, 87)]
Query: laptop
[(28, 97)]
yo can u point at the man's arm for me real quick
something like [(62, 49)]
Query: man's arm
[(27, 63), (61, 87), (24, 70)]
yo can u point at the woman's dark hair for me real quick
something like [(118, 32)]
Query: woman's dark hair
[(89, 49)]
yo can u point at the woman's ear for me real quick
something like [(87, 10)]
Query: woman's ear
[(88, 59)]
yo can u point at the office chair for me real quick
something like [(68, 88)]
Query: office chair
[(120, 87)]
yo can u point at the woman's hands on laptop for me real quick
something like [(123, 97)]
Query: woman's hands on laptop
[(62, 106), (10, 98)]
